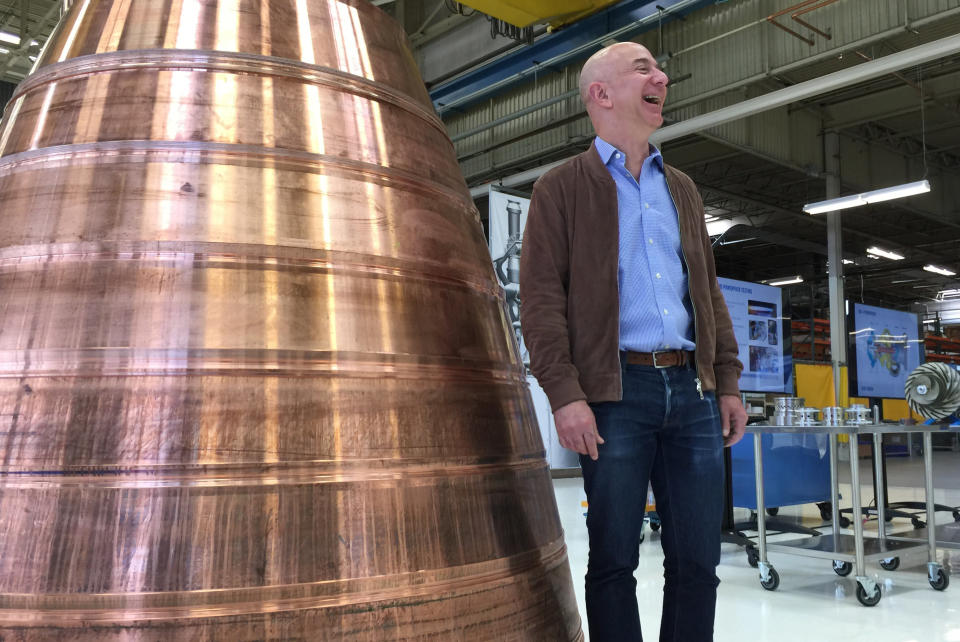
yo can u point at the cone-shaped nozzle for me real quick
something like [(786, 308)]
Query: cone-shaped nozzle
[(256, 379)]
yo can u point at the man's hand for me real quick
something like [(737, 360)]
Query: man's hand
[(577, 428), (733, 418)]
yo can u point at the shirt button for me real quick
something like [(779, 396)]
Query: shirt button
[(646, 205), (665, 311), (667, 346), (658, 275), (616, 155), (651, 241)]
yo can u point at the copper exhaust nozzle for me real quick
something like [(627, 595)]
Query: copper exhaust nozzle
[(256, 379)]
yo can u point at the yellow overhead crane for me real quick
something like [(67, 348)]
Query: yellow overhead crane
[(523, 13)]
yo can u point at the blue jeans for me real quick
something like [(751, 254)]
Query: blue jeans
[(662, 432)]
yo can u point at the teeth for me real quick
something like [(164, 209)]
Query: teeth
[(652, 99)]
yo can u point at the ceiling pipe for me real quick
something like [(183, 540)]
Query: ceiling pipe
[(796, 10), (795, 16)]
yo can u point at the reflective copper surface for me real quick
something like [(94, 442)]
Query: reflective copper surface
[(256, 376)]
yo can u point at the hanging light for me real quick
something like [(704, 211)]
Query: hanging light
[(939, 270), (787, 280), (887, 254), (897, 191), (875, 196)]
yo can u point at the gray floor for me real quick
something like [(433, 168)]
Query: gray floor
[(812, 602)]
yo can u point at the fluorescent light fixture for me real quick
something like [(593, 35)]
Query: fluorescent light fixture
[(939, 270), (948, 294), (788, 280), (898, 191), (4, 51), (847, 261), (9, 37), (875, 196), (884, 253), (833, 204)]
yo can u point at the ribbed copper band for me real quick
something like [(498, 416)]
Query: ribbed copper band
[(192, 60), (296, 473), (245, 256), (130, 607), (109, 362), (126, 152)]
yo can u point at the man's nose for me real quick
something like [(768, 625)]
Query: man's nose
[(662, 78)]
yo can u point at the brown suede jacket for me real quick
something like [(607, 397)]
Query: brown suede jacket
[(568, 285)]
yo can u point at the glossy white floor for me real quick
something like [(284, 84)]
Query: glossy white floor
[(812, 602)]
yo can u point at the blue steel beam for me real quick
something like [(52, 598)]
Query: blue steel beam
[(550, 53)]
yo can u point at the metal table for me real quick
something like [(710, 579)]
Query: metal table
[(851, 552)]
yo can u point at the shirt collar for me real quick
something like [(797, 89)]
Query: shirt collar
[(606, 151)]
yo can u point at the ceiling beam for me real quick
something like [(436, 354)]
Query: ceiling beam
[(817, 86), (22, 52)]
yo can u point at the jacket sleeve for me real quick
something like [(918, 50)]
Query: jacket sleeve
[(544, 282), (726, 364)]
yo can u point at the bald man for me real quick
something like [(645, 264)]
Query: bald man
[(630, 338)]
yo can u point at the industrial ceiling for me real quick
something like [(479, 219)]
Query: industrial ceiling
[(886, 130)]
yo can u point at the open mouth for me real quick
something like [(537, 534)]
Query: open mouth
[(653, 100)]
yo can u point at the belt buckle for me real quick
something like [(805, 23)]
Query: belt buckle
[(654, 355)]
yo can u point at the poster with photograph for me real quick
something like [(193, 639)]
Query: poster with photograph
[(758, 318), (887, 347), (508, 215)]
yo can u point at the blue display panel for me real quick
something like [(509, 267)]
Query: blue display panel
[(885, 346), (762, 329)]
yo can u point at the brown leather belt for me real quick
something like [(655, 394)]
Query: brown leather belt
[(661, 359)]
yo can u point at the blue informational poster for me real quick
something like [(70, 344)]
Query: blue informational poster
[(886, 348), (762, 333)]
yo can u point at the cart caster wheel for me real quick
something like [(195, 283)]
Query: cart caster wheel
[(891, 564), (867, 601), (654, 526), (772, 582), (942, 581), (842, 568), (917, 523), (844, 522), (826, 511), (753, 557), (956, 515), (772, 512)]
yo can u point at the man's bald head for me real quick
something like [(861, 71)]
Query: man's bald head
[(601, 66)]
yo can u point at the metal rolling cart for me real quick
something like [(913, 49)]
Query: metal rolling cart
[(851, 552)]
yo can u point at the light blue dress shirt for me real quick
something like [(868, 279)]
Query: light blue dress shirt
[(655, 309)]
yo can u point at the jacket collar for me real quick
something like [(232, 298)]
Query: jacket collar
[(593, 166)]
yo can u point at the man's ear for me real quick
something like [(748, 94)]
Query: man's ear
[(598, 94)]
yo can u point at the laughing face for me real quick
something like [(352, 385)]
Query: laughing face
[(637, 86)]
